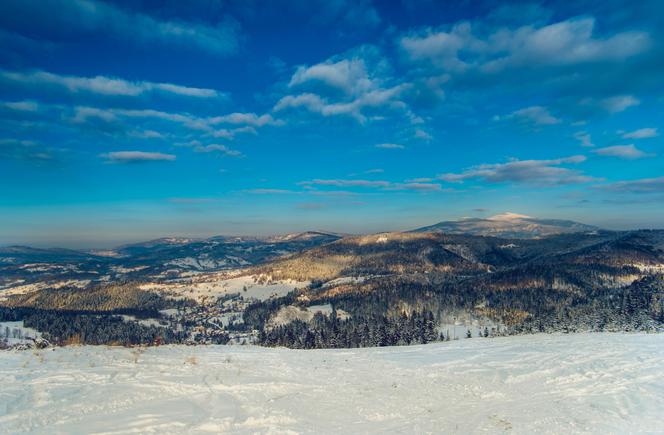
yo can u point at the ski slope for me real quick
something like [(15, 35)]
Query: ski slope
[(585, 383)]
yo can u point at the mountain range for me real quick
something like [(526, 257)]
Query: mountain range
[(222, 252), (509, 225), (505, 274)]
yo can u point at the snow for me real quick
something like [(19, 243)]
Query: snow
[(9, 284), (16, 333), (216, 285), (649, 268), (34, 287), (144, 322), (204, 262), (260, 291), (290, 313), (201, 263), (349, 280), (124, 270), (169, 312), (585, 383), (106, 253), (48, 267), (508, 216), (325, 309)]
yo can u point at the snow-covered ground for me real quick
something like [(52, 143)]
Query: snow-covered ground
[(217, 284), (16, 333), (290, 313), (586, 383), (34, 287)]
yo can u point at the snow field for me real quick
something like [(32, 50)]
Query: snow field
[(583, 383)]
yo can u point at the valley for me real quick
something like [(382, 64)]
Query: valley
[(319, 290)]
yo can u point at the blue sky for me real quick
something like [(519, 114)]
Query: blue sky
[(132, 120)]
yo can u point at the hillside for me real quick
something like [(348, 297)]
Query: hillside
[(597, 281), (509, 225), (437, 252), (314, 290), (108, 297), (34, 268)]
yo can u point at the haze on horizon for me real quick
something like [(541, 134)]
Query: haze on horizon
[(125, 121)]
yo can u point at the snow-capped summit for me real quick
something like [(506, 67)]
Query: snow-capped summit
[(508, 224), (508, 216)]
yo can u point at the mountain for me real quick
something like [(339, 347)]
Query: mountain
[(415, 253), (509, 225), (166, 257), (315, 290), (219, 252), (26, 254), (392, 285)]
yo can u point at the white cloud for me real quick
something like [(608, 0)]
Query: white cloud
[(83, 114), (137, 157), (271, 191), (78, 19), (352, 84), (443, 48), (628, 152), (584, 138), (347, 75), (246, 122), (222, 149), (375, 184), (568, 42), (26, 151), (619, 103), (421, 134), (22, 106), (245, 119), (644, 185), (376, 99), (102, 85), (309, 101), (642, 133), (536, 115), (182, 90), (147, 134), (419, 187), (421, 180), (537, 172), (186, 200), (346, 183), (390, 146)]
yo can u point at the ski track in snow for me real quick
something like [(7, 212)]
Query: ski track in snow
[(585, 383)]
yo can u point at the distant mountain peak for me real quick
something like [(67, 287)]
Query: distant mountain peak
[(508, 216), (305, 235), (509, 225)]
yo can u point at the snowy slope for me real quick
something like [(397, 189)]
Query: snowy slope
[(510, 225), (586, 383)]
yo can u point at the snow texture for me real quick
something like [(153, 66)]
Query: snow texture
[(585, 383), (247, 286)]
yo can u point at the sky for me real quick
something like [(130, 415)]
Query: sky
[(130, 120)]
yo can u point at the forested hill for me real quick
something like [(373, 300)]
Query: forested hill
[(398, 282), (379, 289)]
